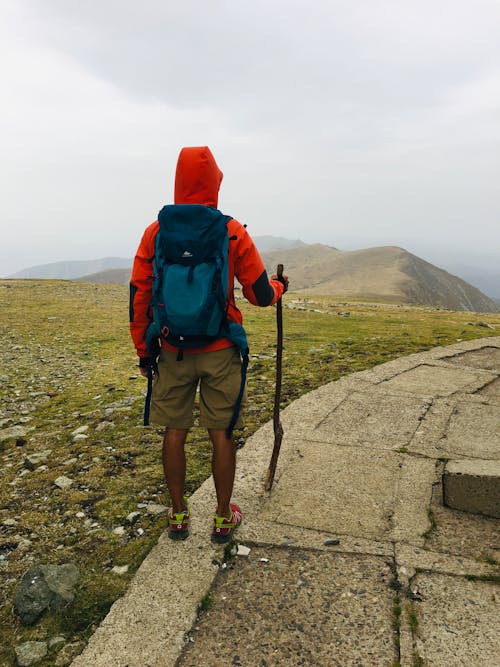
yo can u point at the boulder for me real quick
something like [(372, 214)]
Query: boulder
[(45, 587), (30, 653)]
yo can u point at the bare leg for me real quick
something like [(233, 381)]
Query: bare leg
[(223, 468), (174, 465)]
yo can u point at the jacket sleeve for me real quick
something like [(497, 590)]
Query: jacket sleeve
[(141, 287), (251, 273)]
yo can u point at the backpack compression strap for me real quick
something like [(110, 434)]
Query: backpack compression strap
[(237, 405), (152, 371), (147, 402)]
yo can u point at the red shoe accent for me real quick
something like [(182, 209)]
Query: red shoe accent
[(224, 527), (178, 525)]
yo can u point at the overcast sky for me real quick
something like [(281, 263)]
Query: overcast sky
[(352, 123)]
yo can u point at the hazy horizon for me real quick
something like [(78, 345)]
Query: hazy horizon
[(354, 125), (486, 279)]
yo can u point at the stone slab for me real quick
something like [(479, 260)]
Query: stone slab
[(139, 629), (413, 558), (372, 418), (304, 415), (488, 358), (271, 533), (298, 607), (413, 497), (437, 380), (344, 490), (458, 621), (473, 431), (473, 486), (490, 393), (474, 345), (466, 535), (429, 437)]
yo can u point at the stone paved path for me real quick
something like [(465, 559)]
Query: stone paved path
[(354, 559)]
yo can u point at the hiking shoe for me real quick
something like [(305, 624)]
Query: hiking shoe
[(178, 523), (224, 527)]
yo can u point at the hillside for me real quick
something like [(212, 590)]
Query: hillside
[(387, 273), (72, 269), (111, 276), (86, 269)]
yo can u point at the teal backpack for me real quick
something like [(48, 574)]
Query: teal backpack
[(190, 287)]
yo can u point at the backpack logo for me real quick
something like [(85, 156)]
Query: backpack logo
[(186, 253)]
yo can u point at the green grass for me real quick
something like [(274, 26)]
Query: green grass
[(67, 360), (432, 523), (417, 660), (412, 618), (206, 602)]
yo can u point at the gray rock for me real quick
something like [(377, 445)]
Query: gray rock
[(80, 429), (13, 432), (30, 652), (133, 517), (68, 653), (63, 482), (154, 508), (54, 641), (9, 523), (24, 545), (69, 462), (45, 587), (32, 461), (103, 426)]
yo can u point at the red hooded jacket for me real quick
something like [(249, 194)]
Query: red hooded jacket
[(197, 181)]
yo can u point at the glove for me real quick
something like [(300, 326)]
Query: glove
[(281, 279)]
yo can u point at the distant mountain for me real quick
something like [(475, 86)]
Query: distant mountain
[(73, 269), (87, 268), (485, 278), (116, 276), (384, 274)]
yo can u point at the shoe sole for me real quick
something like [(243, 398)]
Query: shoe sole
[(178, 535), (222, 539)]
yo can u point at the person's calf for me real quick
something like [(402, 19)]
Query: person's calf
[(174, 466), (223, 469)]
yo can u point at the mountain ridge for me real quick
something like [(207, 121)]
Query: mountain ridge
[(384, 273)]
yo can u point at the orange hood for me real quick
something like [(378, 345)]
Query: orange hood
[(197, 177)]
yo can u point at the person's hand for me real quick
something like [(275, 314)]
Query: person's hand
[(144, 364), (282, 279)]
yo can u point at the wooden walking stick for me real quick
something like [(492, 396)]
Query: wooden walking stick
[(278, 429)]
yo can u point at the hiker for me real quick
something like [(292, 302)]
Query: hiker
[(179, 346)]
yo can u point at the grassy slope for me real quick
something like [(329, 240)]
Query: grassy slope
[(67, 361)]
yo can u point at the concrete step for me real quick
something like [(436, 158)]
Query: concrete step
[(473, 486)]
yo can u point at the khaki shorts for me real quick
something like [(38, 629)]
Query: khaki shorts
[(174, 389)]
